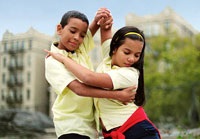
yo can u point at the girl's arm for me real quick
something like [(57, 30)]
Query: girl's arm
[(87, 76), (105, 31)]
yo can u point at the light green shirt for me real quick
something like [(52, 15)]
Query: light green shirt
[(72, 113), (112, 112)]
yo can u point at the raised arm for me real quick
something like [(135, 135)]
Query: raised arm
[(105, 28), (87, 76)]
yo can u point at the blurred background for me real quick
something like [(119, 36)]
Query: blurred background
[(172, 70)]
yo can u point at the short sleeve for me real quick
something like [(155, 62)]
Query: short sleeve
[(106, 48), (124, 77), (57, 75), (88, 42)]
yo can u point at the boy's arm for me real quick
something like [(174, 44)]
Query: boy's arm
[(93, 27), (125, 96)]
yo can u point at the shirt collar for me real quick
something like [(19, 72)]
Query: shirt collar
[(54, 48), (108, 63)]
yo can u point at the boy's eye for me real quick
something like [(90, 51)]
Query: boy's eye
[(72, 31), (82, 36)]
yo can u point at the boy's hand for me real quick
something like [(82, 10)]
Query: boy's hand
[(104, 18), (126, 95)]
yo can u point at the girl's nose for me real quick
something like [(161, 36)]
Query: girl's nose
[(131, 59)]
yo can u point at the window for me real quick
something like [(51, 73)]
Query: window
[(4, 62), (29, 60), (12, 78), (167, 25), (2, 95), (30, 44), (155, 29), (4, 78), (148, 30), (22, 45), (28, 95), (17, 45), (12, 46), (5, 47), (13, 62), (28, 77)]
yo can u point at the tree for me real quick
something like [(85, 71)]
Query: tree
[(172, 83)]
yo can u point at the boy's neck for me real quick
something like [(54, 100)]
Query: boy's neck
[(57, 45)]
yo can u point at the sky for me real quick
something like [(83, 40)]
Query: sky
[(17, 16)]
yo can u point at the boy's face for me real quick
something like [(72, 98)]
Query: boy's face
[(72, 35)]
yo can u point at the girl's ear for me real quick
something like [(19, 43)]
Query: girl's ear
[(59, 29), (114, 51)]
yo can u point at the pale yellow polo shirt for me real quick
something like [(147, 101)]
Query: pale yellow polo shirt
[(72, 113), (112, 112)]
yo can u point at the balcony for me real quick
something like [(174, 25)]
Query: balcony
[(12, 51), (20, 66), (20, 50), (13, 100), (17, 66), (11, 83), (14, 83), (11, 67)]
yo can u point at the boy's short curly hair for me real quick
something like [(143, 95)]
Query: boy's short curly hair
[(73, 14)]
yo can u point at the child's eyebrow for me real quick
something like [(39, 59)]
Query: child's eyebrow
[(127, 49), (73, 27)]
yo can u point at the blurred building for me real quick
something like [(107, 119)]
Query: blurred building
[(22, 81), (167, 22)]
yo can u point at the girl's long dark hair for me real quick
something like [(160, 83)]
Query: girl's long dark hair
[(117, 40)]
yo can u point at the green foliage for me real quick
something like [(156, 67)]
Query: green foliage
[(172, 80)]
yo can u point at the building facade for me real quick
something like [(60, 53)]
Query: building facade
[(167, 22), (23, 84)]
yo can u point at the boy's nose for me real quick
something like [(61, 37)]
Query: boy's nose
[(76, 36)]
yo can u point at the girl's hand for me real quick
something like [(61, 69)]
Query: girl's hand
[(106, 23), (57, 56)]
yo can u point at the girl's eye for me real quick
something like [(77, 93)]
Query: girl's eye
[(137, 56), (125, 52), (72, 31)]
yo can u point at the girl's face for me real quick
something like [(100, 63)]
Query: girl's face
[(72, 35), (128, 53)]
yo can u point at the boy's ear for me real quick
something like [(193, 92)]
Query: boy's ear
[(59, 29)]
